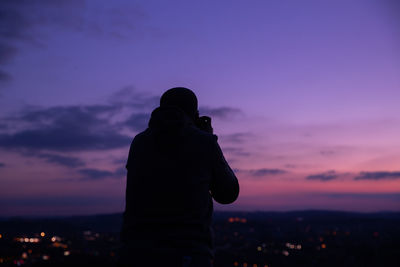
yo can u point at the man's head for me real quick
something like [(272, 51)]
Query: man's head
[(183, 98)]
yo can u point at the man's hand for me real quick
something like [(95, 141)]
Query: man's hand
[(204, 124)]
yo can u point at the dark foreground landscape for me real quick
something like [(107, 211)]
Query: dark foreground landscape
[(258, 239)]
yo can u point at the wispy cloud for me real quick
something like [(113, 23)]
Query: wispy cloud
[(380, 175), (262, 172), (355, 195), (236, 137), (137, 121), (97, 174), (236, 151), (220, 112), (2, 165), (324, 177), (72, 162), (266, 172)]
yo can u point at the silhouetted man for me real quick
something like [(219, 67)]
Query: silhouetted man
[(175, 168)]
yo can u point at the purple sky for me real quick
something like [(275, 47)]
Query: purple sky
[(304, 96)]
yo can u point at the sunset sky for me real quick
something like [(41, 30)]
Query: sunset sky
[(304, 97)]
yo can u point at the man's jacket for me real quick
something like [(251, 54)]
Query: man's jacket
[(174, 171)]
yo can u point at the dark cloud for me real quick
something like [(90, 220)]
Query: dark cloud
[(67, 161), (96, 174), (55, 201), (220, 112), (266, 172), (138, 121), (326, 176), (63, 139), (381, 175), (7, 53), (71, 128), (60, 129), (2, 165), (4, 76)]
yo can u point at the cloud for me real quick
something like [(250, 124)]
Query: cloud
[(377, 196), (265, 172), (60, 129), (236, 137), (220, 112), (4, 76), (7, 53), (138, 121), (96, 174), (55, 201), (261, 172), (326, 176), (381, 175), (69, 128), (71, 162), (236, 151), (2, 165)]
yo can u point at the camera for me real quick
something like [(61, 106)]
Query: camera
[(204, 124)]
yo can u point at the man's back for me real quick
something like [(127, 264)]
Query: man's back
[(174, 170)]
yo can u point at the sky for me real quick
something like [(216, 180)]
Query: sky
[(303, 96)]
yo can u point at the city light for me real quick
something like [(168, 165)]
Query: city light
[(55, 238), (42, 234), (27, 240), (250, 240), (285, 252), (293, 246), (237, 219)]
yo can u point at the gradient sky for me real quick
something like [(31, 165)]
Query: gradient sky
[(304, 97)]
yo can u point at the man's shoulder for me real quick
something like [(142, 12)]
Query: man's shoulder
[(140, 137)]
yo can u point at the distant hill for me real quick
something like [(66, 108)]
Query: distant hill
[(111, 223)]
